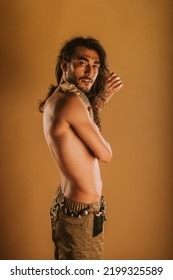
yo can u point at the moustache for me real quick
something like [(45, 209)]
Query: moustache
[(87, 78)]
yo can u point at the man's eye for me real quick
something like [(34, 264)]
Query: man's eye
[(96, 66), (82, 63)]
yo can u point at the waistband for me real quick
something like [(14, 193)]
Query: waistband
[(69, 205)]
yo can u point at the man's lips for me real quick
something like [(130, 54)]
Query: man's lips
[(86, 80)]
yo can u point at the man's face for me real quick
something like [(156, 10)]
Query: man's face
[(83, 69)]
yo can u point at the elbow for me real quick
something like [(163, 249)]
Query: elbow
[(105, 157)]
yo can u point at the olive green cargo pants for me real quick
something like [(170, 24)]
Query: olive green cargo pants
[(77, 228)]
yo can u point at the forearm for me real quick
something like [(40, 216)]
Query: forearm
[(112, 86), (102, 99)]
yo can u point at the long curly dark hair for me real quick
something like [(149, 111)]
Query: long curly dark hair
[(66, 54)]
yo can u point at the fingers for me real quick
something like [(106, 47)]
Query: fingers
[(113, 78), (114, 82)]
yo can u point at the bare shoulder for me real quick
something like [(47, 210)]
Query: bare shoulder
[(69, 104), (64, 109), (59, 101)]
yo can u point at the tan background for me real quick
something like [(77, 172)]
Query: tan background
[(137, 122)]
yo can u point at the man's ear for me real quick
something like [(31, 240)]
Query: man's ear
[(64, 65)]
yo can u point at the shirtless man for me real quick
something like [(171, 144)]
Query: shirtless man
[(71, 112)]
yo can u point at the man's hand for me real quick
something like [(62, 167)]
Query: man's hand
[(112, 86)]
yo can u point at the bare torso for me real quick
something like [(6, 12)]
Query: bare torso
[(79, 168)]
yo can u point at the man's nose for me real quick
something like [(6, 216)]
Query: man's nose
[(88, 70)]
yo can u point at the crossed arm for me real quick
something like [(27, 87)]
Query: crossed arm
[(77, 116)]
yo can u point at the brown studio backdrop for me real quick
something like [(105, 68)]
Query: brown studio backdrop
[(137, 122)]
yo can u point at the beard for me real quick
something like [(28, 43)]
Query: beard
[(83, 83)]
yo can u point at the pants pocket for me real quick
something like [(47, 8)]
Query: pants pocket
[(97, 225)]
